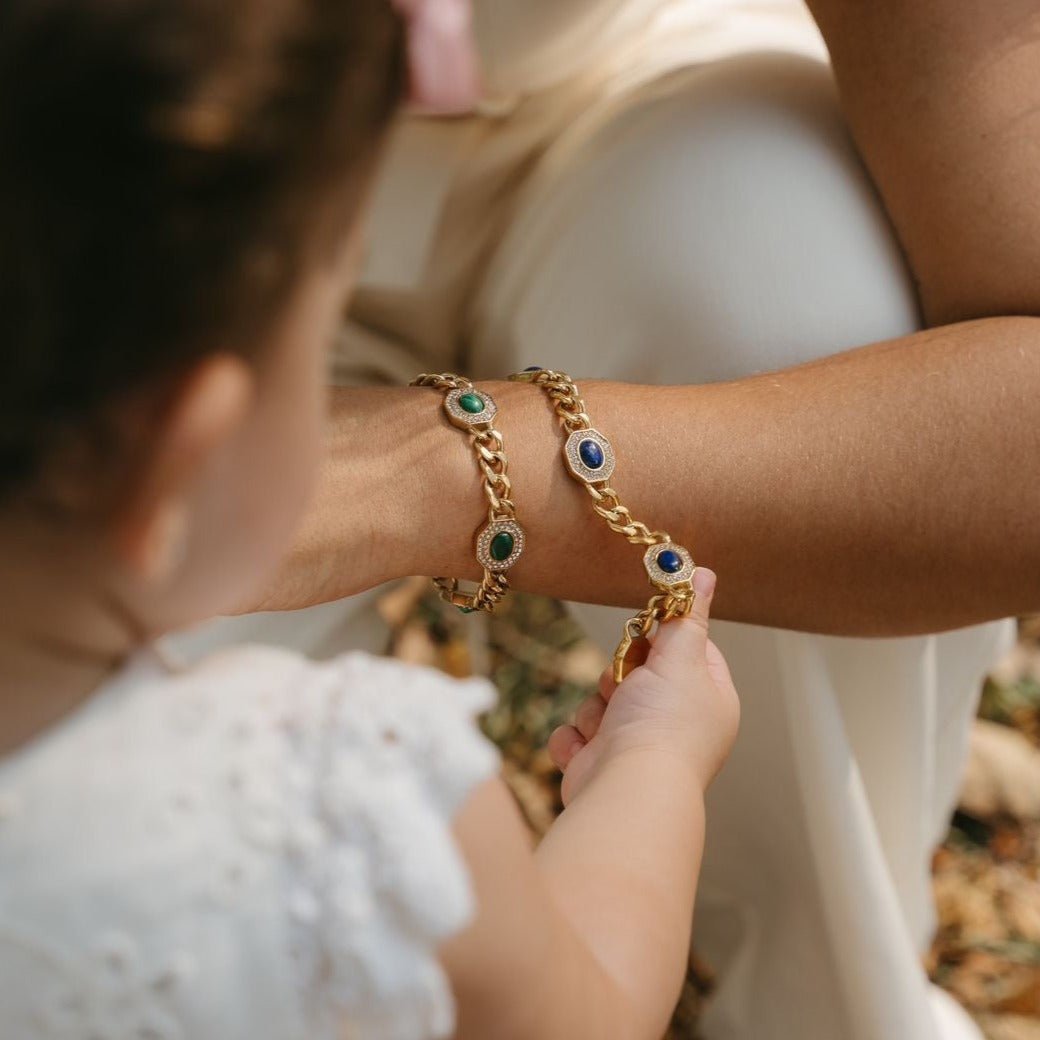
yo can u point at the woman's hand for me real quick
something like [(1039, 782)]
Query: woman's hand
[(379, 513), (681, 702)]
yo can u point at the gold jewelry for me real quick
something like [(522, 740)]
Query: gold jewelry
[(500, 542), (590, 460)]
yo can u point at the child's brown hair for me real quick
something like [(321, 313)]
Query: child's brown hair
[(165, 166)]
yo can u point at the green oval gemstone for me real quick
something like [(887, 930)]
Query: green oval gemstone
[(502, 546), (472, 403)]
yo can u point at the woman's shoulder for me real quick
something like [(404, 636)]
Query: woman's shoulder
[(292, 812)]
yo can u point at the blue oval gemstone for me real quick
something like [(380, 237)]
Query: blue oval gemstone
[(591, 454), (669, 561)]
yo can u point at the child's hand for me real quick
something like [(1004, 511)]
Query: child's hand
[(681, 702)]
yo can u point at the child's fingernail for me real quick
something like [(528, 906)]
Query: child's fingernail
[(703, 581)]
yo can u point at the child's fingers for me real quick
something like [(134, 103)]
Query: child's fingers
[(685, 640), (589, 715), (564, 743), (607, 686)]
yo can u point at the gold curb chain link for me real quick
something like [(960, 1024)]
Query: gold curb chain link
[(489, 450)]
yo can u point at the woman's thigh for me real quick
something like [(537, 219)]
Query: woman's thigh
[(716, 224)]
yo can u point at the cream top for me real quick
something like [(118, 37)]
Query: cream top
[(527, 45)]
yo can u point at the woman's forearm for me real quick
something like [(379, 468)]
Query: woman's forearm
[(887, 490)]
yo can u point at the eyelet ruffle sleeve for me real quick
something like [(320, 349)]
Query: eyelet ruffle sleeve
[(377, 881)]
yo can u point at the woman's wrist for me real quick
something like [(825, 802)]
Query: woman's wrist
[(383, 507), (566, 542), (400, 495)]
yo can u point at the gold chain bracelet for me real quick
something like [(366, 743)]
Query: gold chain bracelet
[(590, 460), (499, 542)]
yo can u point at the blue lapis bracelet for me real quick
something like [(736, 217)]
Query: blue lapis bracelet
[(590, 460)]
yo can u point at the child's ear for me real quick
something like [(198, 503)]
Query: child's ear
[(153, 528)]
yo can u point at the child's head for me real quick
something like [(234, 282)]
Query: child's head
[(180, 182)]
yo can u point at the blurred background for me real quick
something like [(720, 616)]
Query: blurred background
[(986, 874)]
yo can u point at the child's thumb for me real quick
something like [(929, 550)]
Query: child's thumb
[(684, 641)]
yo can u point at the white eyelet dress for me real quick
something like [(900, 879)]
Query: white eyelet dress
[(259, 848)]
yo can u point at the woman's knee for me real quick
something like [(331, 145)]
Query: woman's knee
[(721, 223)]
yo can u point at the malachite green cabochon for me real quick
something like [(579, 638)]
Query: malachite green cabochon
[(502, 546), (472, 403)]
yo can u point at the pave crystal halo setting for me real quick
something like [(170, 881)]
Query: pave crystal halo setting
[(467, 407), (589, 455), (668, 564), (499, 545)]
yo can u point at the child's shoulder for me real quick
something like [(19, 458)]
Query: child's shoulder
[(368, 726), (279, 829)]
